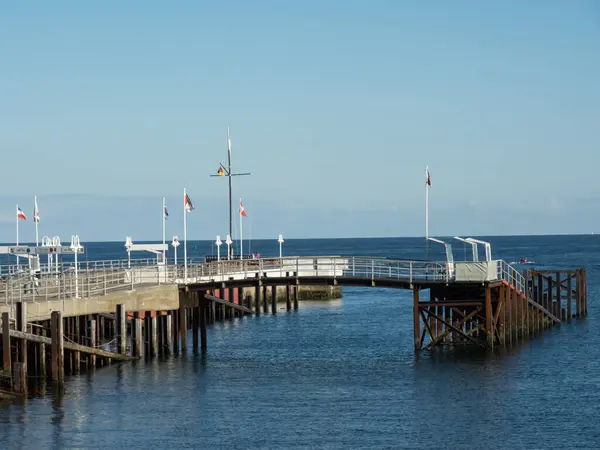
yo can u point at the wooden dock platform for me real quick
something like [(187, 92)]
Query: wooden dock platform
[(486, 304)]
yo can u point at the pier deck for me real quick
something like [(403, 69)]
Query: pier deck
[(480, 303)]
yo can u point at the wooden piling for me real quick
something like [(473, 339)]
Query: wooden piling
[(168, 333), (570, 296), (273, 299), (147, 337), (202, 311), (288, 295), (257, 300), (296, 296), (58, 353), (153, 337), (182, 324), (121, 329), (137, 338), (416, 319), (489, 323), (92, 334), (6, 349), (175, 331), (195, 325), (21, 367)]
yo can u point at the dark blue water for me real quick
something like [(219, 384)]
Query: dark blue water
[(340, 375)]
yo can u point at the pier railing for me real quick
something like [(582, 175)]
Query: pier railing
[(97, 278)]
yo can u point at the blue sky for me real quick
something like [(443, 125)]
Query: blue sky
[(335, 108)]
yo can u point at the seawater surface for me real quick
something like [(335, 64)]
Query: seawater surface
[(339, 374)]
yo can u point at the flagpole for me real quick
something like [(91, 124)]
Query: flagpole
[(37, 222), (426, 203), (164, 220), (241, 234), (17, 216), (229, 176), (184, 236)]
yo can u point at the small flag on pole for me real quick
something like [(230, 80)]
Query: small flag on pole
[(21, 214), (36, 211), (187, 203), (242, 210), (220, 172), (166, 212), (428, 178)]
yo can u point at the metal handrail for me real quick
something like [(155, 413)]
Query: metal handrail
[(95, 278)]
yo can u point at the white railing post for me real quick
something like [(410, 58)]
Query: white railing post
[(372, 269), (410, 270), (353, 266)]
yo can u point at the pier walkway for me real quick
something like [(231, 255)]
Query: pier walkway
[(483, 303)]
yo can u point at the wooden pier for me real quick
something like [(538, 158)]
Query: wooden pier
[(486, 304)]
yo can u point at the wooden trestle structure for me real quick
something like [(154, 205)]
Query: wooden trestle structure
[(497, 313)]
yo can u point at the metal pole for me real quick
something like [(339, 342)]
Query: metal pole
[(230, 204)]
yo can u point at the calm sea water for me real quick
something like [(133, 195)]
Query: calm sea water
[(340, 374)]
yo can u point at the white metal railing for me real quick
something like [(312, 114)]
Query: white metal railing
[(95, 278), (511, 275)]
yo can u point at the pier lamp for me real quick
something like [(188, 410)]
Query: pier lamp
[(280, 240), (75, 246), (218, 242), (47, 242), (228, 241), (128, 244), (56, 243), (175, 244)]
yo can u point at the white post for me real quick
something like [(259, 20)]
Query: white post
[(175, 244), (164, 226), (426, 202), (218, 242), (128, 244), (75, 247), (280, 240), (36, 220), (228, 241), (184, 236), (241, 240), (17, 216)]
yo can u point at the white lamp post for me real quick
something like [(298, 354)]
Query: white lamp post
[(75, 246), (47, 242), (128, 244), (56, 243), (280, 240), (218, 242), (175, 244), (228, 241)]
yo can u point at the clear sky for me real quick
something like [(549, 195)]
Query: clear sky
[(335, 107)]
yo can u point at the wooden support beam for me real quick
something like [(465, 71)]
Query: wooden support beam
[(21, 368), (121, 329), (153, 337), (57, 342), (296, 296), (203, 311), (570, 296), (195, 325), (273, 299), (6, 349), (168, 333), (240, 308), (416, 320), (489, 322), (93, 343), (288, 295)]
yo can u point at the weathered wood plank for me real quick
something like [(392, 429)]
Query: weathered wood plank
[(71, 346)]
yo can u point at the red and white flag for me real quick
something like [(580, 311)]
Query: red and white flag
[(21, 214), (427, 177), (242, 210)]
